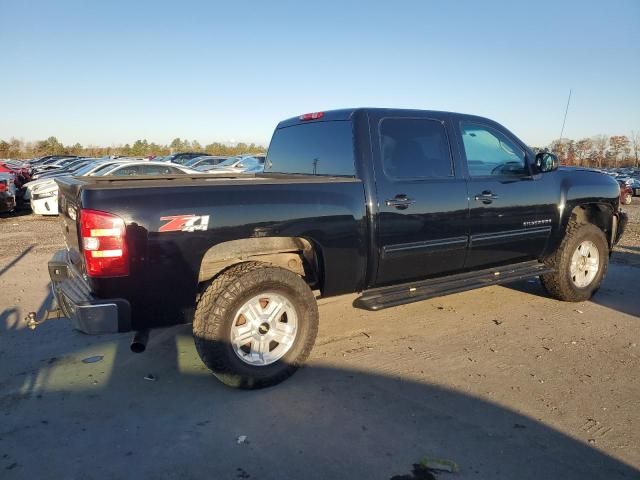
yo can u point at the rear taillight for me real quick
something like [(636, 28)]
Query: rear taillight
[(3, 186), (104, 244)]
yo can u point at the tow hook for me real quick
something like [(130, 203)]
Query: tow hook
[(32, 322)]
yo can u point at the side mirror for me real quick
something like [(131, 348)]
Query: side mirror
[(546, 162)]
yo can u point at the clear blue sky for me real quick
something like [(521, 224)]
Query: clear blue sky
[(110, 72)]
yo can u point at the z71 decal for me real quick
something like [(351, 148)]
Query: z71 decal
[(184, 223)]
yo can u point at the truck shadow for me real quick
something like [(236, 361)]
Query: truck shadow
[(618, 291), (19, 257), (103, 419), (12, 318)]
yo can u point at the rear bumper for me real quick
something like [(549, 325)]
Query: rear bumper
[(87, 313)]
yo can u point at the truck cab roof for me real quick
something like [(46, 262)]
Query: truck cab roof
[(347, 114)]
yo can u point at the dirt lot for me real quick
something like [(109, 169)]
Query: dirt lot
[(505, 382)]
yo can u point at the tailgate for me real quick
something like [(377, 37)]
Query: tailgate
[(69, 208)]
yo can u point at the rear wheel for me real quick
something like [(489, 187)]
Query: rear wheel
[(255, 325), (580, 263)]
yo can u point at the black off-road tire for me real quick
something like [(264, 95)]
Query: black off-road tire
[(558, 283), (216, 311)]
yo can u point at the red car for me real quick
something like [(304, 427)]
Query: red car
[(626, 193), (21, 175)]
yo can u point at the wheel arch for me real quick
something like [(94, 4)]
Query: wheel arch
[(297, 254), (597, 213)]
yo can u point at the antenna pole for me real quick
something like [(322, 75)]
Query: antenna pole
[(566, 110)]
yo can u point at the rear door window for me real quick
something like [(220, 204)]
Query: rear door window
[(414, 148), (315, 148)]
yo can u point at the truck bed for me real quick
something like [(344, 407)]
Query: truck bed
[(328, 212)]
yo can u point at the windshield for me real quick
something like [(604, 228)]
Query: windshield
[(104, 168), (73, 166), (228, 162), (66, 162), (85, 169), (193, 161)]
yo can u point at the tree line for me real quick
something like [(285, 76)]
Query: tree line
[(15, 148), (600, 151)]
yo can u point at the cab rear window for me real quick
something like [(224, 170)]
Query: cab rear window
[(315, 148)]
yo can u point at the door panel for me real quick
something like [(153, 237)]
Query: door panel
[(511, 212), (421, 228)]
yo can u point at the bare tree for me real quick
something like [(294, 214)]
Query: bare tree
[(600, 143), (635, 146), (583, 149), (619, 147)]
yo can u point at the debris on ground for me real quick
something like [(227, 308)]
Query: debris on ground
[(498, 322), (577, 311), (93, 359), (242, 473), (441, 464), (242, 439), (151, 377), (418, 473), (427, 467)]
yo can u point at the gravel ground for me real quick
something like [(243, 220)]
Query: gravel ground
[(503, 381), (629, 246)]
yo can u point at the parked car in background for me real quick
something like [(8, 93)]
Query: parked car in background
[(626, 193), (44, 198), (182, 157), (144, 168), (7, 193), (20, 173), (236, 165), (47, 159), (634, 184), (68, 167), (48, 179), (205, 161), (53, 165)]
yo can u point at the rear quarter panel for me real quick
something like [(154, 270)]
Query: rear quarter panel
[(163, 282)]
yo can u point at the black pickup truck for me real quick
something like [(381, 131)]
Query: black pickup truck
[(400, 205)]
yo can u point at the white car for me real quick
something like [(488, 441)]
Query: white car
[(88, 169), (44, 197), (44, 201), (124, 169), (235, 165)]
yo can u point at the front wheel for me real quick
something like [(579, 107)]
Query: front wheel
[(255, 325), (580, 264)]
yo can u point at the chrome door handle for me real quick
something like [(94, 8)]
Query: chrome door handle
[(486, 197), (400, 202)]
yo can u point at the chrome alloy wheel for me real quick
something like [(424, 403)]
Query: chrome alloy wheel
[(264, 329), (585, 263)]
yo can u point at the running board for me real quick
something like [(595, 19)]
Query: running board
[(385, 297)]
